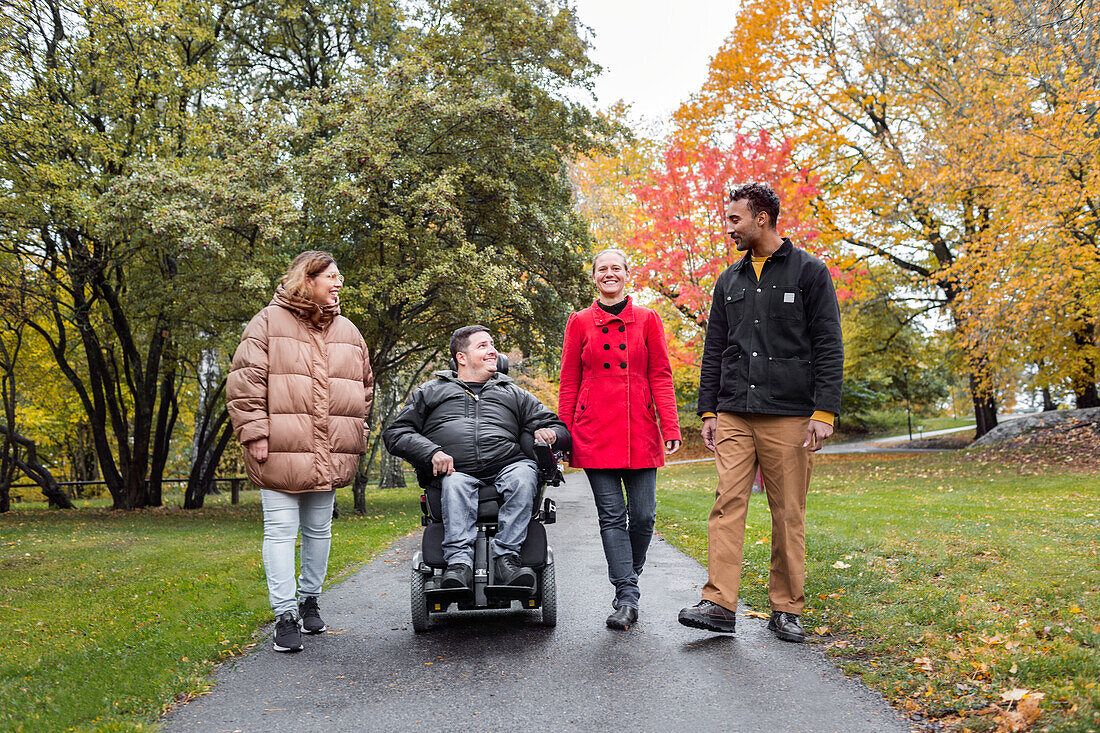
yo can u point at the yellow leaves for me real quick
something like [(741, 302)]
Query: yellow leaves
[(756, 614), (1026, 711), (924, 664)]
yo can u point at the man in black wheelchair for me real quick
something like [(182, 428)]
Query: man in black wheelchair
[(477, 441)]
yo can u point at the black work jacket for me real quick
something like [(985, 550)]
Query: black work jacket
[(482, 433), (773, 347)]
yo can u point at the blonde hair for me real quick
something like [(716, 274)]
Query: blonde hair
[(306, 265), (611, 251)]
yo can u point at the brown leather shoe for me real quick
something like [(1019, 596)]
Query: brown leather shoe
[(786, 626), (710, 616)]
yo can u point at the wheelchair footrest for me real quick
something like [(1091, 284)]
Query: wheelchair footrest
[(448, 595), (509, 591)]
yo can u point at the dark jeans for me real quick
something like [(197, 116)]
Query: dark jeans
[(626, 523)]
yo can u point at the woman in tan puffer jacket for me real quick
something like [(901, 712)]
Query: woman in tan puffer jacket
[(299, 395)]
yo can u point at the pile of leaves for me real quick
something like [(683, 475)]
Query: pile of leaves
[(1073, 444)]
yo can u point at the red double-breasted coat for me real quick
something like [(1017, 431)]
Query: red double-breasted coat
[(615, 381)]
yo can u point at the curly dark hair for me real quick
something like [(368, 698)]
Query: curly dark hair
[(761, 197)]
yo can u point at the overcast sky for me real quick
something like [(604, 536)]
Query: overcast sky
[(654, 53)]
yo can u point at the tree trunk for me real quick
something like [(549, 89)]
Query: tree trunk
[(55, 495), (359, 486), (391, 472), (985, 407), (167, 412), (1048, 401), (1084, 383)]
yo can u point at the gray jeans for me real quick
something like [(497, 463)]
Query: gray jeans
[(516, 484), (626, 524), (283, 515)]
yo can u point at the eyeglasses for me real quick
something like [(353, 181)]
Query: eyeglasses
[(334, 276)]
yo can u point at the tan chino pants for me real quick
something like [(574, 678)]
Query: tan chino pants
[(774, 443)]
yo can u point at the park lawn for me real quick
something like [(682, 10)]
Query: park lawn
[(949, 582), (111, 616)]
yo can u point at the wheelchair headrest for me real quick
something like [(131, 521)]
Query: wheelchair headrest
[(502, 364)]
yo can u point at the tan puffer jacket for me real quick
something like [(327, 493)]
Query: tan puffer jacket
[(302, 379)]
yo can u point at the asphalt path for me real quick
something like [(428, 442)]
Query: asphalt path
[(498, 670)]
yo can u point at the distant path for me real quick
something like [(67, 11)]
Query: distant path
[(503, 672), (884, 445)]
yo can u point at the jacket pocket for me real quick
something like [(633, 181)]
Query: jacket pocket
[(731, 369), (582, 407), (791, 381), (786, 304), (735, 307)]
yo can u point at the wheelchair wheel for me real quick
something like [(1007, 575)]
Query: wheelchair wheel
[(419, 602), (549, 596)]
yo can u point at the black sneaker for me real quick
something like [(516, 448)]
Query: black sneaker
[(311, 616), (288, 637), (457, 577), (710, 616), (510, 572)]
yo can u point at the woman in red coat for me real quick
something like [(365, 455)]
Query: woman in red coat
[(615, 381)]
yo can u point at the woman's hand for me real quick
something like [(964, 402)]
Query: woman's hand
[(257, 449), (671, 446)]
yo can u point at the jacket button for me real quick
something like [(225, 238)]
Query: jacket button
[(622, 365), (758, 290), (605, 329), (622, 328), (606, 365), (756, 321), (754, 353), (607, 346), (752, 386), (622, 346)]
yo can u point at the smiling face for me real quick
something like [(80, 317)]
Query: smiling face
[(609, 272), (325, 286), (478, 361)]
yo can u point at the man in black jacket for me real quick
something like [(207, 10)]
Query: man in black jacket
[(467, 425), (769, 390)]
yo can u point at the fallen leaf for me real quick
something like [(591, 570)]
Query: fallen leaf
[(1015, 694), (756, 614), (924, 663), (821, 630), (841, 565)]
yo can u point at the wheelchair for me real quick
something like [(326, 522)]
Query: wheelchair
[(429, 600)]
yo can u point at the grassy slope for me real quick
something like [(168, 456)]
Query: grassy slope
[(113, 615), (946, 580)]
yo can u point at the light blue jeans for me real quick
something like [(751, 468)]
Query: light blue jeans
[(516, 484), (283, 515), (626, 524)]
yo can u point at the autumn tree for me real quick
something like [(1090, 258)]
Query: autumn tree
[(881, 101)]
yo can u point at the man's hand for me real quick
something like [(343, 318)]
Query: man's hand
[(546, 435), (671, 446), (257, 449), (816, 434), (442, 464), (710, 431)]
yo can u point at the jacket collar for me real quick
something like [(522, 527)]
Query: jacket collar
[(450, 376), (320, 316), (783, 251), (600, 316)]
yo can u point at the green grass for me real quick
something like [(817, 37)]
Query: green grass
[(110, 616), (945, 580)]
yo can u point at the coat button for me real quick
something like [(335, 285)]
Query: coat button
[(606, 346), (752, 386), (622, 346), (606, 365), (622, 365), (605, 329), (754, 353), (622, 328), (758, 290)]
